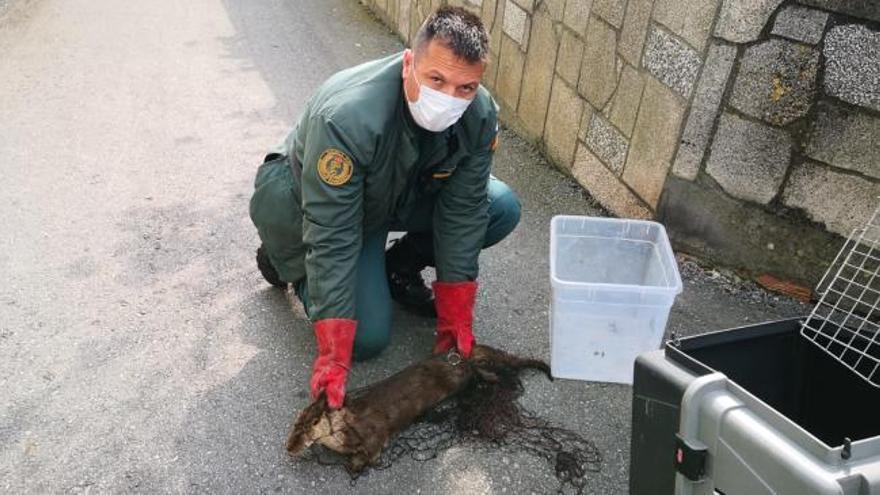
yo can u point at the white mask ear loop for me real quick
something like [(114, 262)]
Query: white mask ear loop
[(412, 70)]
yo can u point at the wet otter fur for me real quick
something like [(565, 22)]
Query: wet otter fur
[(372, 416)]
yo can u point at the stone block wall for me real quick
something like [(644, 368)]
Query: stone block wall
[(778, 159), (749, 127)]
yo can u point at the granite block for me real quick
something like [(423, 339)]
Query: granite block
[(671, 61), (607, 143), (852, 65), (653, 142), (599, 69), (741, 21), (606, 187), (776, 81), (846, 139), (749, 160), (563, 118), (690, 19), (800, 24), (707, 102), (841, 201), (624, 105), (634, 30)]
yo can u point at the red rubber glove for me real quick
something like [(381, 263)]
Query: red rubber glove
[(455, 316), (335, 342)]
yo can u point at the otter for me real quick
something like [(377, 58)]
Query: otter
[(372, 416)]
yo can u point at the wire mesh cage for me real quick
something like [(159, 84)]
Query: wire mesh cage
[(845, 322)]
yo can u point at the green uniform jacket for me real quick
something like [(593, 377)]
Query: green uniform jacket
[(365, 164)]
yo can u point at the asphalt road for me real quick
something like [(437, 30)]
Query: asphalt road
[(140, 351)]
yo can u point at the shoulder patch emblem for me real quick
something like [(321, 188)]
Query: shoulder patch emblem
[(334, 167)]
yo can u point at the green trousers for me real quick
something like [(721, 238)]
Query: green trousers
[(373, 310)]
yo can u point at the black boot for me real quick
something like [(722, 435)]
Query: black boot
[(404, 265), (268, 271)]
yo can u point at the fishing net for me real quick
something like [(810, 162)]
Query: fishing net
[(488, 414)]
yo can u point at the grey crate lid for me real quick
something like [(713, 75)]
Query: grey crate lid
[(845, 322)]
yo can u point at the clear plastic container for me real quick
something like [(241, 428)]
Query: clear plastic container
[(613, 284)]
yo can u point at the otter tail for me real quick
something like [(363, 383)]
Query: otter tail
[(497, 359)]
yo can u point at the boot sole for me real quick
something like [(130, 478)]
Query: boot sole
[(267, 270)]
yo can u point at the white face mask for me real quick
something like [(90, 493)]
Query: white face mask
[(435, 110)]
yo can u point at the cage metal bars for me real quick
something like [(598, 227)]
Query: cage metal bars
[(836, 324)]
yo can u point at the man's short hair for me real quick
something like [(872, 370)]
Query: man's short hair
[(459, 30)]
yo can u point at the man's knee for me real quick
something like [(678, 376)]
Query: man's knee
[(504, 212)]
